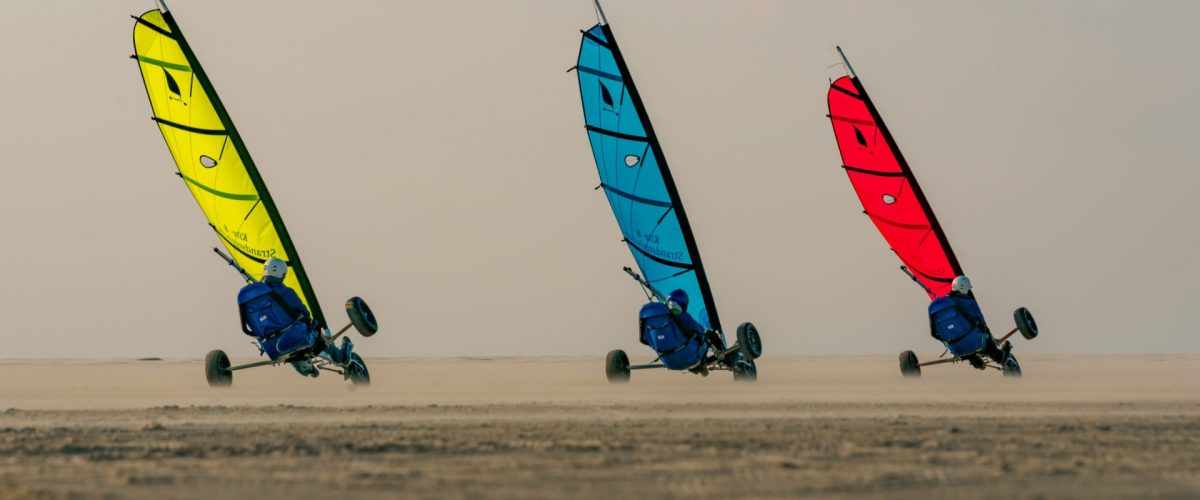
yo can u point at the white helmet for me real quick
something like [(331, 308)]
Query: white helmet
[(274, 268), (961, 284)]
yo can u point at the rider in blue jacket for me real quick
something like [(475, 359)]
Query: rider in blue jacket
[(677, 302), (964, 301), (291, 319)]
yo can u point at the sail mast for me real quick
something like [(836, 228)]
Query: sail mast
[(846, 61), (600, 13)]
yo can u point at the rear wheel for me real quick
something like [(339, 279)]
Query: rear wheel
[(358, 370), (616, 367), (909, 366), (1010, 367), (216, 369), (1025, 323), (744, 370), (749, 341), (361, 316)]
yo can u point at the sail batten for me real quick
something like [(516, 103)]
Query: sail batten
[(209, 154), (635, 177)]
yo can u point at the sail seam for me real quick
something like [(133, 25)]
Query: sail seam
[(897, 224), (150, 25), (596, 39), (618, 135), (222, 194), (847, 92), (633, 197), (599, 73), (873, 172), (180, 126), (658, 259), (156, 62)]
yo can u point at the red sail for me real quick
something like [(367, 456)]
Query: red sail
[(887, 189)]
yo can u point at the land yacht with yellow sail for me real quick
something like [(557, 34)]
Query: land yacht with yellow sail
[(281, 312)]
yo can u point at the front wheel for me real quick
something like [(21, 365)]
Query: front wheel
[(357, 369), (1010, 367), (909, 366), (744, 370), (361, 316), (1025, 323), (216, 369), (749, 340), (616, 367)]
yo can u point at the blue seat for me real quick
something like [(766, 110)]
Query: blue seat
[(675, 348)]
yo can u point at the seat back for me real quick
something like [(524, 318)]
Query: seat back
[(948, 320), (264, 313), (659, 331)]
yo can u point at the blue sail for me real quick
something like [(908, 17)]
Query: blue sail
[(635, 177)]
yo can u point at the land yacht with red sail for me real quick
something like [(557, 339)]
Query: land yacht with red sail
[(892, 199)]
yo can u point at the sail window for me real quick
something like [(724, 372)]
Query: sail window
[(207, 161)]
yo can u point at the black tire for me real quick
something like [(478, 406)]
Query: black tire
[(910, 367), (744, 370), (1025, 323), (359, 375), (216, 369), (749, 341), (616, 367), (361, 316), (1011, 367)]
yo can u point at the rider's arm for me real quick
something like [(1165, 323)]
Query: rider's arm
[(295, 303), (693, 327)]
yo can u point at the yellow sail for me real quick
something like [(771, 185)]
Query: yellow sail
[(211, 159)]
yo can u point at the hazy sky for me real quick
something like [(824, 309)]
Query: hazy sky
[(430, 156)]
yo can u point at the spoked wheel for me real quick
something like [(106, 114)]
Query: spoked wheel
[(749, 341), (361, 316), (744, 369), (357, 369), (909, 366), (616, 367), (1010, 367), (216, 369), (1025, 323)]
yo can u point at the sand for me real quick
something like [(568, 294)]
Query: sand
[(1074, 426)]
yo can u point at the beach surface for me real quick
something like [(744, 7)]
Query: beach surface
[(838, 426)]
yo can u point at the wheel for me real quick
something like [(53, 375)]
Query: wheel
[(1010, 367), (909, 366), (744, 370), (361, 316), (358, 370), (616, 367), (216, 369), (749, 341), (1025, 323)]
